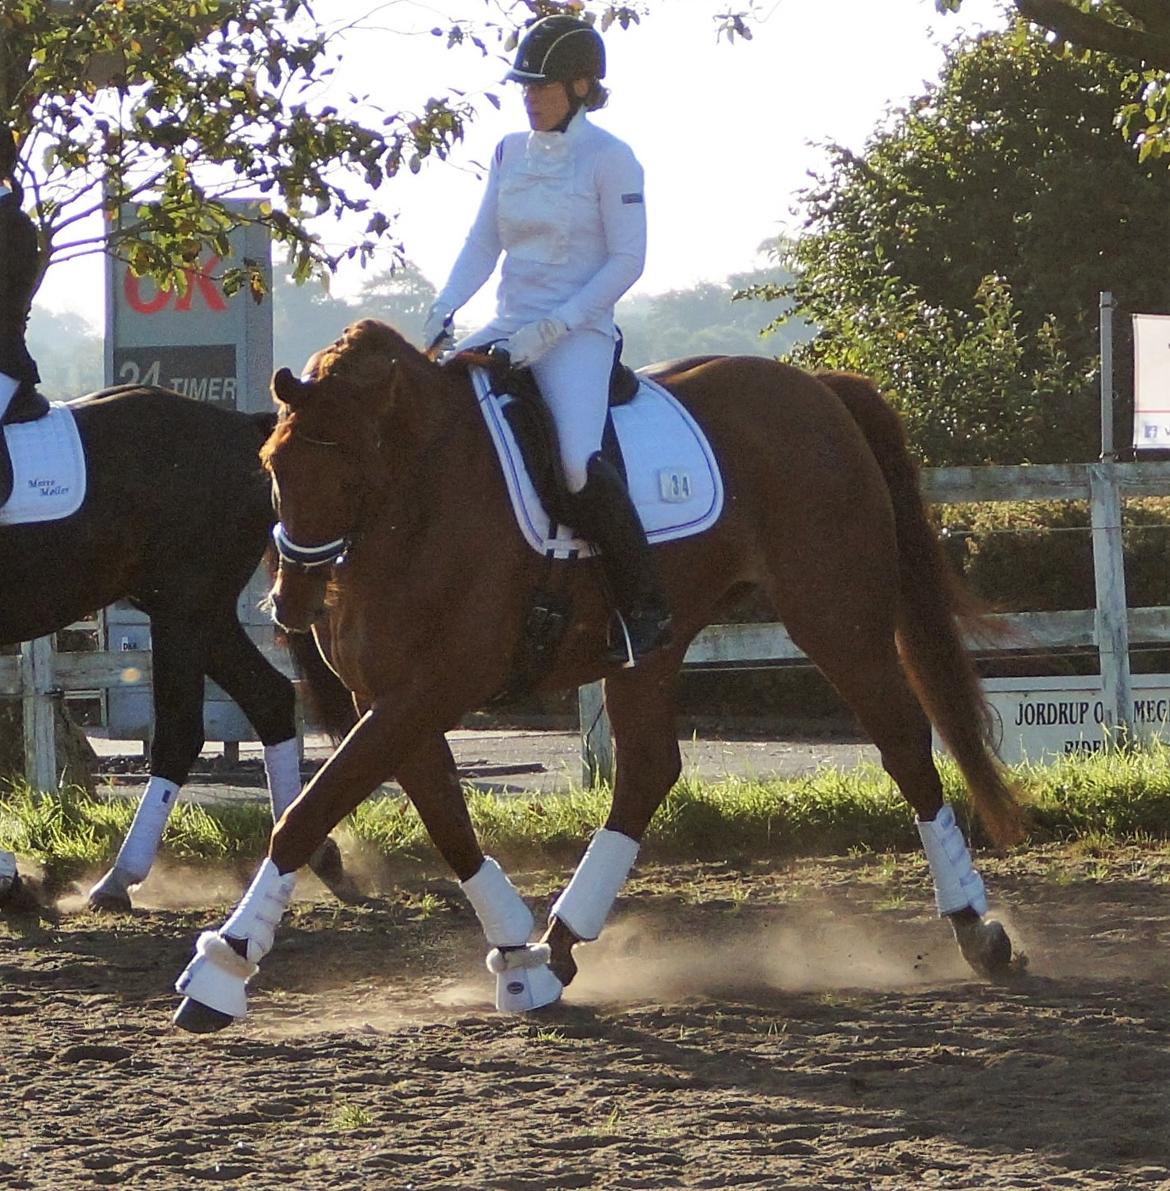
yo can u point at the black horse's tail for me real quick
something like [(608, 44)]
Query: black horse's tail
[(933, 601)]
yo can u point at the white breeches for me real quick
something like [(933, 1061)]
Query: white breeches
[(574, 379)]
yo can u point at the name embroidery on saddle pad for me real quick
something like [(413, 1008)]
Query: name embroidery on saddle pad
[(48, 468), (673, 476)]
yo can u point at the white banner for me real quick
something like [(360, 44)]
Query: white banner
[(1151, 387)]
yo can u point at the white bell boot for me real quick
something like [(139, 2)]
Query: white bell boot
[(523, 979)]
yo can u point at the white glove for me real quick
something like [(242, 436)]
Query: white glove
[(437, 328), (528, 344)]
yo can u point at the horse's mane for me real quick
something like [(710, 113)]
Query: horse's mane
[(367, 352)]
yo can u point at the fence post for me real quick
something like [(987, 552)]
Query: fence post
[(596, 740), (1112, 620), (1105, 331), (40, 744)]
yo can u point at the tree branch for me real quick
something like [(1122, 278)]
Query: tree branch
[(1091, 32)]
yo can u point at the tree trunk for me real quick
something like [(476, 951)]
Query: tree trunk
[(75, 755)]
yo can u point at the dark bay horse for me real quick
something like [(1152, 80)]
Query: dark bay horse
[(176, 519), (397, 529)]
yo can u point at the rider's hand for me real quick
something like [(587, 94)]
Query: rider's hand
[(528, 344), (437, 329)]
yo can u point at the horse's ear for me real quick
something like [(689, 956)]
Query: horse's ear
[(287, 388)]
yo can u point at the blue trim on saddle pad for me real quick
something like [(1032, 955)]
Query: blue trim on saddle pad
[(673, 476)]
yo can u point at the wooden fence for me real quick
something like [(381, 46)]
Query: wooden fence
[(39, 676), (1111, 626)]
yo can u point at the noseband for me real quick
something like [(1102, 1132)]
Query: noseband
[(308, 558)]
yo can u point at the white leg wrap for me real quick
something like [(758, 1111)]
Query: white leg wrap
[(259, 913), (282, 766), (523, 978), (506, 920), (7, 872), (140, 846), (586, 903), (957, 885)]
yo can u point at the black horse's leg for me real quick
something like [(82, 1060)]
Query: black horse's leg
[(179, 649), (641, 707), (268, 699)]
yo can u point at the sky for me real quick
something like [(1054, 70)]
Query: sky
[(727, 133)]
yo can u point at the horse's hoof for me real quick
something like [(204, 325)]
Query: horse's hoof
[(111, 894), (326, 865), (561, 942), (197, 1018), (984, 943), (563, 966)]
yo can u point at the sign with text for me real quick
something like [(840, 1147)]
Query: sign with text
[(194, 339), (1042, 719), (201, 343), (1151, 386), (206, 373)]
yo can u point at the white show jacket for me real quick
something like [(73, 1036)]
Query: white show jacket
[(568, 211)]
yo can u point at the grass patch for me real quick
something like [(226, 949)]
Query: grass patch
[(1098, 800)]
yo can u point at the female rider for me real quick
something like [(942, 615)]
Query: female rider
[(564, 203)]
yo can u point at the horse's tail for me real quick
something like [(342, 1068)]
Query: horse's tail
[(933, 602)]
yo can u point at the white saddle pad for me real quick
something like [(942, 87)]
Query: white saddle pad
[(48, 468), (673, 477)]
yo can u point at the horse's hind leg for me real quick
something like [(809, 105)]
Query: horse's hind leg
[(641, 708), (179, 658), (865, 670)]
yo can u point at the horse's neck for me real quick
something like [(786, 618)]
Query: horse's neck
[(431, 443)]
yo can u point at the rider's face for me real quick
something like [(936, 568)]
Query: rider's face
[(547, 104)]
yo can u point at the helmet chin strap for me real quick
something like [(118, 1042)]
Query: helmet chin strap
[(575, 105)]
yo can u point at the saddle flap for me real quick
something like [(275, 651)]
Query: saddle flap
[(673, 476)]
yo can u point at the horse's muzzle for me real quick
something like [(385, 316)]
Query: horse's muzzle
[(297, 599)]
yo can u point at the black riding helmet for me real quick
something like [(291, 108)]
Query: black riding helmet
[(559, 49)]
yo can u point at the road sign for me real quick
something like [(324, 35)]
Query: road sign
[(195, 339), (216, 349)]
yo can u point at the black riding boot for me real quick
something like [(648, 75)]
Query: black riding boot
[(607, 517)]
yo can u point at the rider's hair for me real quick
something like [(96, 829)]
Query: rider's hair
[(597, 96)]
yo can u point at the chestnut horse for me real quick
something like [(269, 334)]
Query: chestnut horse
[(401, 550)]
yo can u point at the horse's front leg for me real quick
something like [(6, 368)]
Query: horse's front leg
[(640, 703), (214, 983), (523, 978)]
